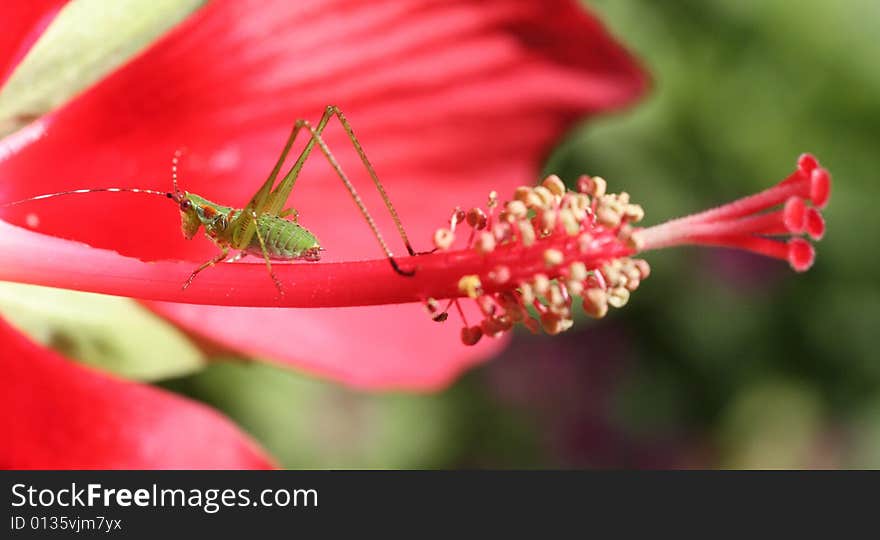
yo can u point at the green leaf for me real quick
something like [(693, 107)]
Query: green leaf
[(864, 432), (110, 333), (774, 424), (87, 40), (308, 423)]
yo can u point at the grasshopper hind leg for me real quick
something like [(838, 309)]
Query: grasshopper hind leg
[(266, 258), (274, 202), (317, 138), (235, 258)]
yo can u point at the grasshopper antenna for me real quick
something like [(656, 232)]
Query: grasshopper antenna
[(175, 159), (163, 194), (176, 196)]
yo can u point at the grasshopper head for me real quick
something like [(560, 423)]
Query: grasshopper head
[(190, 220), (197, 211)]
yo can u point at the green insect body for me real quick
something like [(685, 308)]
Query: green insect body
[(260, 228), (284, 240)]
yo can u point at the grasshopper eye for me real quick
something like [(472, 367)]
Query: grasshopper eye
[(185, 204)]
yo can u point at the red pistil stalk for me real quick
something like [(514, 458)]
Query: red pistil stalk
[(537, 253)]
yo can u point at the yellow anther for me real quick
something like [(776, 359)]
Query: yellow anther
[(633, 283), (533, 200), (575, 288), (470, 285), (611, 201), (569, 222), (584, 242), (527, 232), (517, 209), (618, 297), (493, 199), (547, 197), (555, 185), (607, 216), (551, 323), (578, 271), (527, 292), (541, 284), (443, 238), (612, 274), (577, 206), (599, 187), (522, 193), (643, 266), (580, 201), (595, 303), (485, 243), (553, 257), (555, 297), (634, 213), (548, 220)]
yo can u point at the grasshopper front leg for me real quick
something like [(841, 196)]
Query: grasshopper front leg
[(224, 251)]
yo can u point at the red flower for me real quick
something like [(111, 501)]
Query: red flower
[(466, 95)]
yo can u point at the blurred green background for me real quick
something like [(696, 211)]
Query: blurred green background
[(720, 360)]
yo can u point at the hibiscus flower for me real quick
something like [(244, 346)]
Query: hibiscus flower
[(450, 99)]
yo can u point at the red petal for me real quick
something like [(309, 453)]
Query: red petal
[(450, 99), (386, 348), (59, 415), (23, 23)]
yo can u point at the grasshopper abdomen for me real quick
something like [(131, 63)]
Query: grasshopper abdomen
[(285, 240), (281, 239)]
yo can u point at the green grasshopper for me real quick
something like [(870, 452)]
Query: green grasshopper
[(260, 228)]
